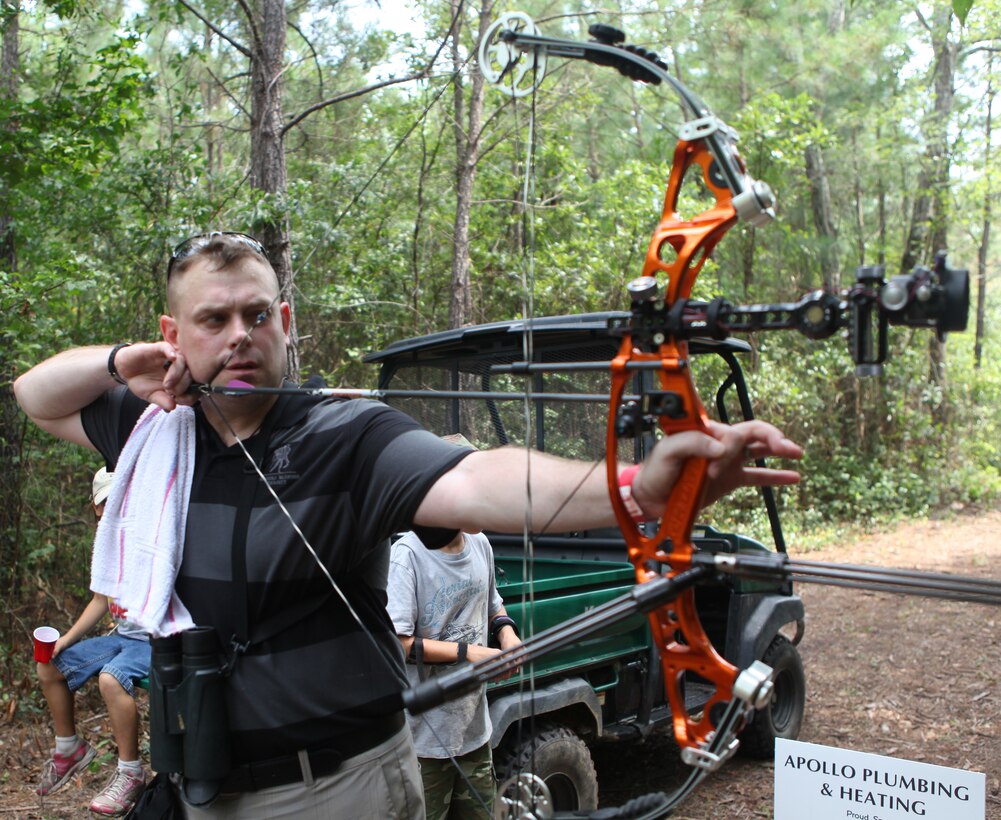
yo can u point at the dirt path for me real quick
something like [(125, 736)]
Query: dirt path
[(906, 677)]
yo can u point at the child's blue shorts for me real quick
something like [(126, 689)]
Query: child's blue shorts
[(125, 658)]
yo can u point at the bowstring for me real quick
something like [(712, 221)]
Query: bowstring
[(207, 395), (528, 310), (528, 354), (295, 527), (528, 283), (206, 387), (206, 390)]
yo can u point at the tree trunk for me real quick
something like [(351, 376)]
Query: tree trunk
[(823, 217), (747, 260), (468, 125), (635, 112), (859, 194), (836, 18), (930, 217), (881, 211), (593, 162), (944, 92), (268, 172), (10, 66), (213, 133), (985, 233)]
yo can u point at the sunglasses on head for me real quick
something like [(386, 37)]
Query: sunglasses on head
[(193, 244)]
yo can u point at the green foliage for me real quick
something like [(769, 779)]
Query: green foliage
[(962, 9), (77, 125), (128, 134), (873, 451)]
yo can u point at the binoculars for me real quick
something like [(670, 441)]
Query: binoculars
[(189, 728)]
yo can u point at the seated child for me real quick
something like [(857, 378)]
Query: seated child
[(115, 659)]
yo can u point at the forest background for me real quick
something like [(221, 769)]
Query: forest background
[(360, 143)]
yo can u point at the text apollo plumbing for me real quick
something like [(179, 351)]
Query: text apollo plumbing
[(874, 777)]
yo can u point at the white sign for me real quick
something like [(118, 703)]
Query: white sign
[(824, 783)]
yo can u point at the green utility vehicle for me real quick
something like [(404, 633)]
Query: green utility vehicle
[(609, 686)]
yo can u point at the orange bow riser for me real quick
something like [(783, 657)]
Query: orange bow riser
[(677, 631)]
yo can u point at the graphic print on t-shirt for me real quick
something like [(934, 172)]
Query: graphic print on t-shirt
[(447, 607)]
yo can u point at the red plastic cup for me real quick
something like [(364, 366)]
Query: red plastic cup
[(45, 642)]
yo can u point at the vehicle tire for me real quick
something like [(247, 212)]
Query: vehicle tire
[(558, 756), (783, 717)]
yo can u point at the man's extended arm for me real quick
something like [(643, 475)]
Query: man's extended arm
[(489, 489)]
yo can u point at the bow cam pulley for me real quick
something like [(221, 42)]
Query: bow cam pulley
[(523, 797), (515, 72)]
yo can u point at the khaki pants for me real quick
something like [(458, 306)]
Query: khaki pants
[(448, 794), (383, 783)]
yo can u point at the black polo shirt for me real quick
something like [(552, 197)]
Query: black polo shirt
[(350, 473)]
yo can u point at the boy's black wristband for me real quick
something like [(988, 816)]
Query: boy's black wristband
[(463, 650), (499, 623)]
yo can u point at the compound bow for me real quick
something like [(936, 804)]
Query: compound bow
[(655, 337)]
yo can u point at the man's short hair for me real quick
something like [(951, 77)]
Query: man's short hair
[(222, 247)]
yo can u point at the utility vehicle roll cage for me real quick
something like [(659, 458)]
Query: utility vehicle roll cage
[(466, 360)]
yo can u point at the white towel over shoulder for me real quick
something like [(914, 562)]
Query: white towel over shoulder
[(140, 539)]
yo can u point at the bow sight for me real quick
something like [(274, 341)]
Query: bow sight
[(937, 298)]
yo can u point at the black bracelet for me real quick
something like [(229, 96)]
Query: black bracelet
[(499, 623), (417, 647), (463, 649), (112, 370)]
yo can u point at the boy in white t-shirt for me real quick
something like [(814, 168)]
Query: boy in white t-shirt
[(444, 606)]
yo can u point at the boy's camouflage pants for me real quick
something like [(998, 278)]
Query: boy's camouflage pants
[(448, 796)]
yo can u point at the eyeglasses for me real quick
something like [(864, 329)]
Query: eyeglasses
[(193, 244)]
